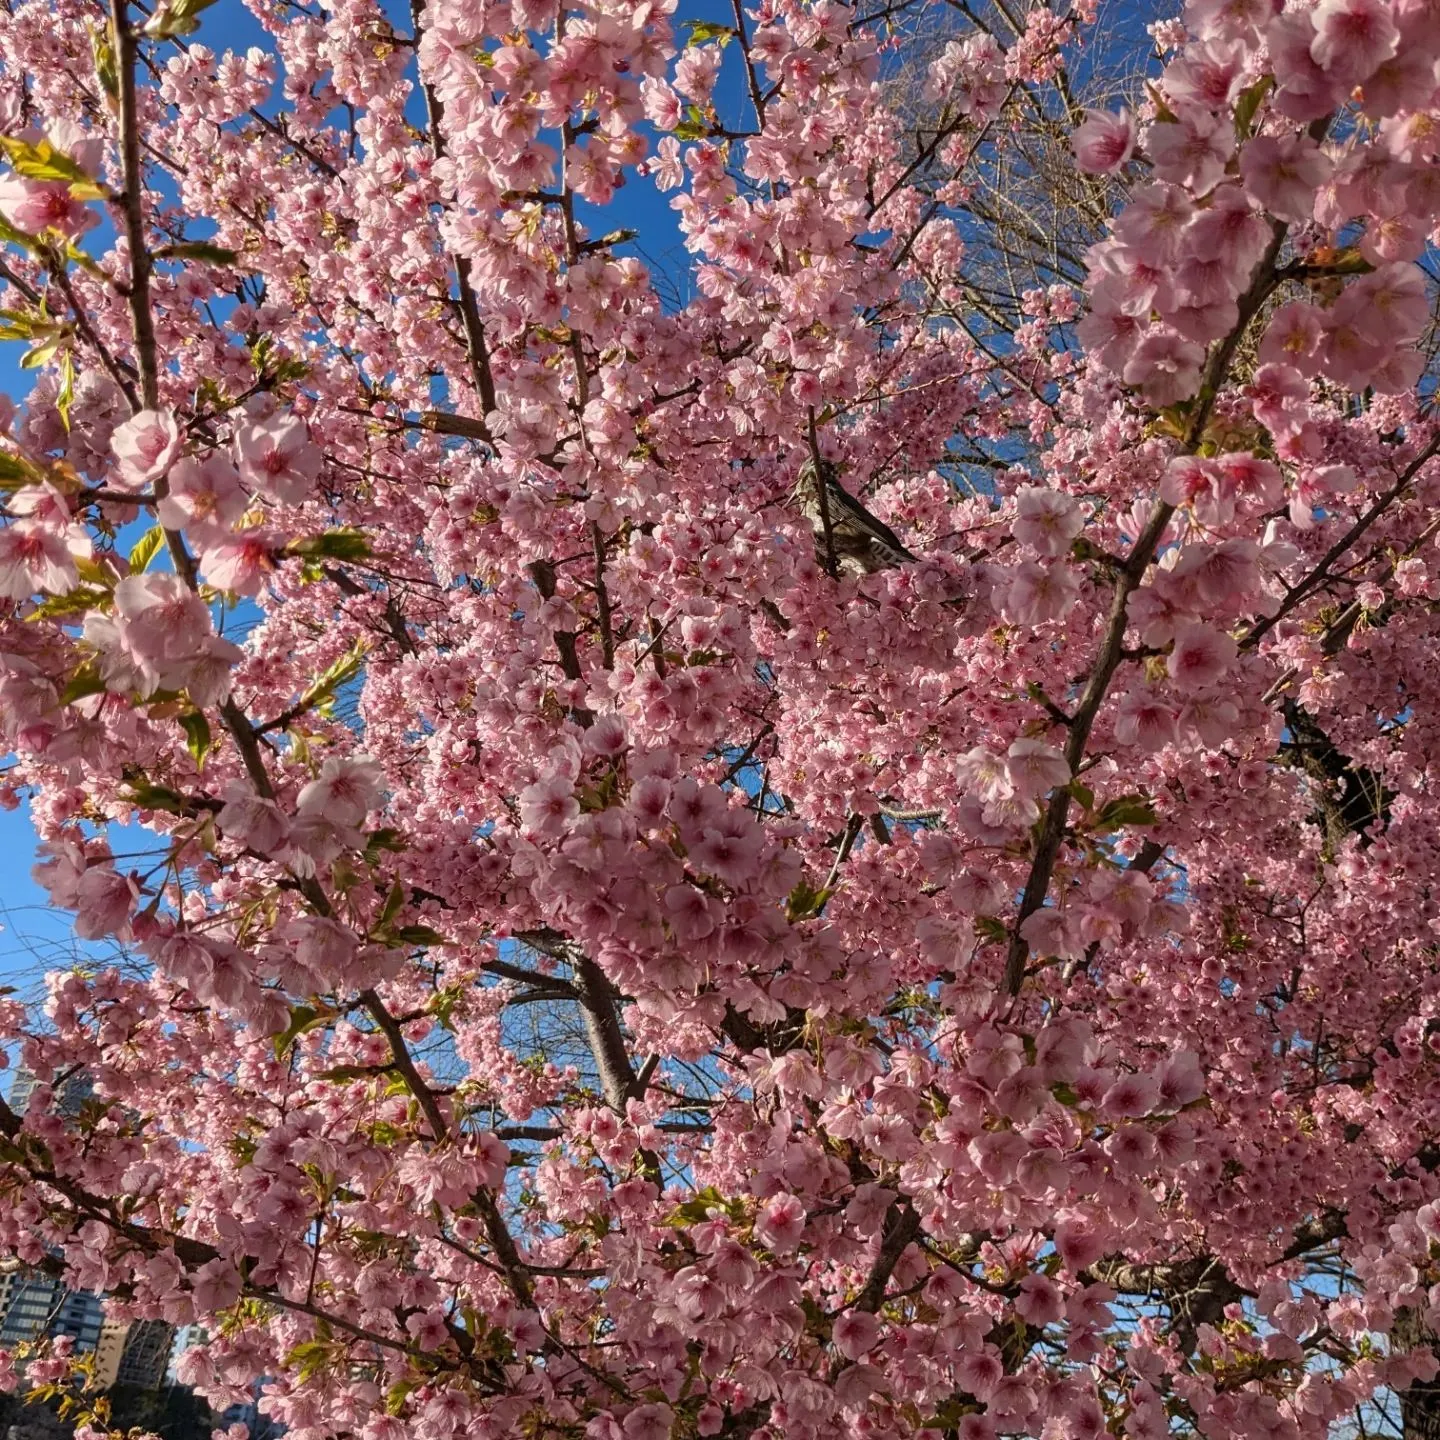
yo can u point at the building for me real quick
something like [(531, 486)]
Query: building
[(72, 1092), (34, 1305), (20, 1088), (133, 1352)]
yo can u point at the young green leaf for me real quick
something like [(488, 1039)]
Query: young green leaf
[(72, 602), (197, 735), (704, 31), (201, 250), (419, 935), (1249, 103), (41, 354), (176, 17), (341, 544), (393, 901), (346, 668), (66, 398), (40, 160), (145, 795), (1125, 810), (107, 70), (146, 548), (85, 681), (302, 1018), (15, 471)]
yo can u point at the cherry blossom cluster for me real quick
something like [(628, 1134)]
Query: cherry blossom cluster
[(595, 964)]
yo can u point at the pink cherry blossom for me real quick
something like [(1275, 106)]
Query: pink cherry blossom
[(239, 562), (1035, 768), (1200, 657), (1192, 151), (1165, 367), (104, 901), (345, 791), (855, 1334), (607, 949), (1353, 37), (277, 459), (1282, 174), (203, 495), (163, 620), (1046, 520), (35, 556), (1144, 720), (780, 1224), (1080, 1241), (145, 446), (1104, 142), (35, 207), (1040, 592), (549, 806)]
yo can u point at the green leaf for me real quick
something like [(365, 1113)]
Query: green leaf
[(197, 736), (393, 901), (1348, 261), (1083, 793), (201, 250), (310, 1357), (346, 668), (40, 160), (147, 547), (397, 1394), (93, 572), (66, 397), (381, 840), (419, 935), (41, 354), (1126, 810), (696, 1210), (342, 544), (260, 348), (805, 901), (85, 681), (76, 256), (704, 31), (176, 17), (351, 1072), (145, 795), (987, 927), (107, 71), (443, 1006), (13, 235), (1249, 103), (72, 602), (15, 472), (1163, 112), (302, 1018), (18, 324), (694, 127)]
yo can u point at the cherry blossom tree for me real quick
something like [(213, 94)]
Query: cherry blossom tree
[(849, 856)]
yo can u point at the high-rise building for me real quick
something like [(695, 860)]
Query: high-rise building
[(20, 1088), (133, 1352), (72, 1091), (34, 1304)]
